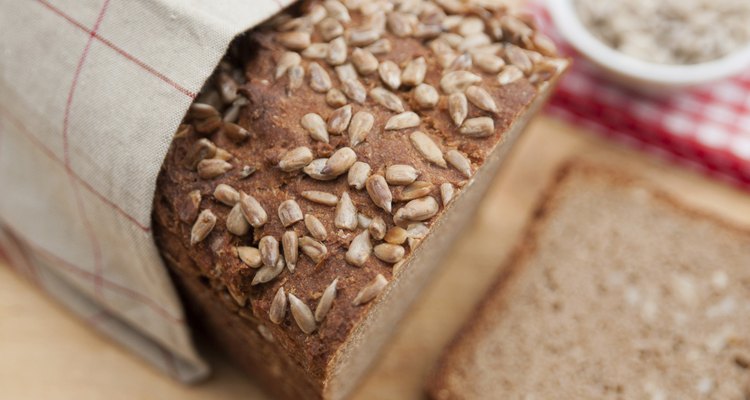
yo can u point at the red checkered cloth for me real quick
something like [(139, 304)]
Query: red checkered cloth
[(707, 127)]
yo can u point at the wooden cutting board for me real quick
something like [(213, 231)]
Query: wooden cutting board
[(47, 354)]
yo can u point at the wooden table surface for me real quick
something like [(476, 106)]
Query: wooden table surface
[(45, 353)]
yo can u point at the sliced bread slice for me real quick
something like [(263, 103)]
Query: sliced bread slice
[(617, 292)]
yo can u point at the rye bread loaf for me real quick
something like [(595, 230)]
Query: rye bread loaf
[(326, 167), (617, 291)]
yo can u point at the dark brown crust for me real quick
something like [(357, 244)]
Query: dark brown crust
[(513, 267)]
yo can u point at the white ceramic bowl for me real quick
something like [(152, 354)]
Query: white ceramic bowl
[(636, 73)]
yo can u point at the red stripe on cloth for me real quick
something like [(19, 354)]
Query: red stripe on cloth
[(119, 50)]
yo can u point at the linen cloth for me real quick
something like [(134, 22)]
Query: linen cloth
[(706, 128), (91, 93)]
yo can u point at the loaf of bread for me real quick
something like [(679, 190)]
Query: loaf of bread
[(617, 291), (322, 173)]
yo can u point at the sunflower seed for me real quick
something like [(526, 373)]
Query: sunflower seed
[(417, 230), (390, 74), (252, 210), (478, 127), (324, 198), (203, 226), (315, 227), (268, 272), (419, 209), (339, 162), (396, 235), (330, 29), (514, 55), (320, 81), (290, 244), (326, 301), (358, 174), (458, 108), (470, 25), (188, 210), (459, 162), (397, 267), (401, 174), (379, 192), (427, 148), (426, 96), (240, 298), (209, 169), (337, 10), (294, 40), (364, 61), (509, 74), (335, 98), (404, 120), (360, 127), (302, 314), (514, 28), (451, 39), (362, 37), (473, 41), (380, 47), (296, 78), (481, 99), (312, 248), (208, 126), (346, 71), (337, 51), (446, 193), (400, 25), (414, 191), (414, 72), (202, 111), (492, 49), (250, 256), (359, 249), (354, 90), (446, 59), (371, 291), (316, 51), (339, 120), (234, 132), (236, 222), (363, 221), (278, 307), (183, 131), (462, 62), (377, 228), (223, 155), (226, 194), (488, 63), (296, 159), (346, 213), (458, 81), (390, 253), (269, 250), (387, 99), (372, 7), (544, 45), (246, 171), (315, 126), (427, 31), (313, 170), (316, 14), (289, 212)]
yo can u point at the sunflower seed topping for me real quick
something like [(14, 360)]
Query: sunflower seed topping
[(302, 314), (364, 61), (488, 63), (339, 120), (371, 291), (474, 41), (470, 25), (514, 55), (346, 213), (312, 248), (252, 210), (315, 227), (446, 193), (509, 74), (269, 250), (380, 47), (335, 98), (202, 111), (427, 148), (337, 10), (387, 99), (363, 221), (320, 81), (478, 127), (458, 161), (211, 168), (226, 194), (289, 212), (458, 108), (481, 98), (390, 253), (362, 37), (390, 74), (278, 307), (458, 81), (360, 127), (296, 78), (250, 256), (462, 62), (337, 51), (235, 133), (346, 71), (296, 159), (379, 192), (236, 222), (417, 230), (340, 162), (330, 29), (324, 198), (313, 170), (354, 90), (326, 301), (426, 96), (408, 119), (419, 209), (290, 245), (203, 226), (396, 235), (315, 126), (414, 191), (414, 72), (358, 174), (377, 228), (400, 25), (295, 40), (246, 171), (359, 249), (222, 154), (401, 174), (316, 51)]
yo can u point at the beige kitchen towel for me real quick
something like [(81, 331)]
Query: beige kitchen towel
[(91, 92)]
